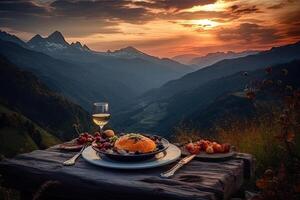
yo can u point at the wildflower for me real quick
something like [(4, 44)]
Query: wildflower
[(269, 173), (262, 183), (279, 82), (268, 70), (281, 172), (267, 82), (290, 136), (250, 94), (286, 111), (289, 88), (279, 136), (284, 71), (284, 119), (270, 82), (289, 101), (264, 82), (297, 93)]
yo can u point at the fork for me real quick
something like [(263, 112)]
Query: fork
[(72, 160), (182, 162)]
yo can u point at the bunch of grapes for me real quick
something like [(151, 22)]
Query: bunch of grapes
[(85, 138)]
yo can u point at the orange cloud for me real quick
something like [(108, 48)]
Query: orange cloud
[(160, 27)]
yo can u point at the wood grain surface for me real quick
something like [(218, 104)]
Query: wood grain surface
[(41, 173)]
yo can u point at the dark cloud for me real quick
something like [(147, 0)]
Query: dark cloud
[(291, 24), (105, 9), (200, 15), (249, 32), (291, 17), (78, 18), (21, 6), (234, 7), (84, 17), (241, 11), (173, 4)]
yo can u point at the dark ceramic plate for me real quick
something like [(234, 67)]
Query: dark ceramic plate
[(211, 157), (161, 143)]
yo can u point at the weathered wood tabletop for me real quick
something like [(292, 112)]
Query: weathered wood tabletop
[(41, 173)]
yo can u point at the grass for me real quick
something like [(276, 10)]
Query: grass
[(14, 142), (258, 140), (256, 137), (15, 137)]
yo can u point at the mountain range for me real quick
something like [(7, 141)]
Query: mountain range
[(160, 110), (146, 93), (212, 58), (234, 105), (86, 76), (185, 58), (55, 44), (199, 62)]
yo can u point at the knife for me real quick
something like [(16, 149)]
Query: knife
[(182, 162)]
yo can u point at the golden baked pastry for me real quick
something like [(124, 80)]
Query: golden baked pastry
[(135, 143)]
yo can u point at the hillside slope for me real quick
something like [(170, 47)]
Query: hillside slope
[(18, 134), (200, 106), (129, 66), (23, 92), (86, 76), (235, 105), (225, 68), (73, 81)]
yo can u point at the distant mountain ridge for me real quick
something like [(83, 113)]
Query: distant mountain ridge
[(275, 55), (12, 38), (55, 42), (127, 52), (67, 78), (86, 76), (199, 62), (55, 45), (163, 108), (235, 106), (212, 58), (185, 58)]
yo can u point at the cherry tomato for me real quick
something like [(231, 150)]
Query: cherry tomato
[(226, 147), (210, 149), (192, 148), (217, 148)]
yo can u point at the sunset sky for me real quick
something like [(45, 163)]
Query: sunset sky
[(162, 28)]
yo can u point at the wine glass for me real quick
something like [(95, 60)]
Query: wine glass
[(100, 114)]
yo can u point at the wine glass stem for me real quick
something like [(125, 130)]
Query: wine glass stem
[(101, 129)]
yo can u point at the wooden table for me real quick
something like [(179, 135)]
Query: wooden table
[(41, 174)]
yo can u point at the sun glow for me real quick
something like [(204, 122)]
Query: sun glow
[(218, 6), (204, 23)]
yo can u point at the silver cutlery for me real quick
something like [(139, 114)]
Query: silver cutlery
[(182, 162), (72, 160)]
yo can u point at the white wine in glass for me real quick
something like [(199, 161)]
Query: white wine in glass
[(100, 114)]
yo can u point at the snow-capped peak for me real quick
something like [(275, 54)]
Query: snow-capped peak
[(57, 37), (127, 52)]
